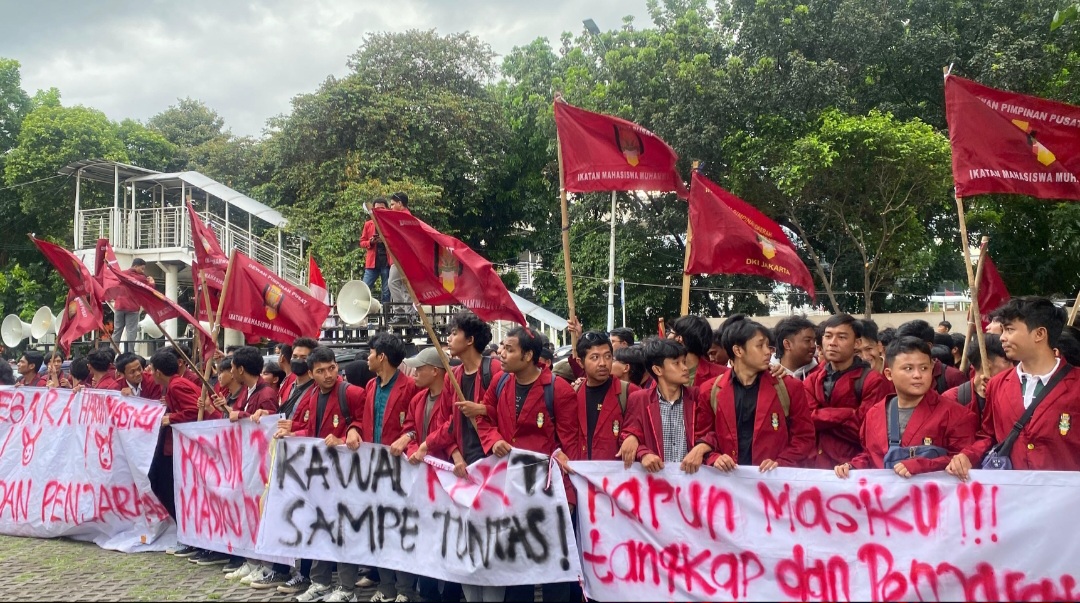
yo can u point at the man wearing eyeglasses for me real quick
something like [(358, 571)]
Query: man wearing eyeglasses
[(601, 405)]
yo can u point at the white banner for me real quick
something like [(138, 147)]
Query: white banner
[(220, 470), (75, 465), (506, 524), (804, 534)]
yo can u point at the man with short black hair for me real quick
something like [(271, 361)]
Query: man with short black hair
[(794, 340), (101, 370), (870, 348), (28, 368), (840, 393), (1043, 388), (255, 394), (915, 431), (944, 326), (126, 310), (621, 337), (601, 404), (695, 334), (945, 377), (133, 378)]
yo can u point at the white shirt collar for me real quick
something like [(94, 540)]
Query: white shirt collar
[(1044, 378)]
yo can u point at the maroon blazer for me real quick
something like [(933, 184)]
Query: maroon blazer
[(443, 440), (307, 410), (265, 397), (39, 380), (1049, 442), (150, 389), (838, 420), (935, 421), (788, 441), (181, 406), (397, 408), (440, 415), (643, 410), (532, 428), (609, 432)]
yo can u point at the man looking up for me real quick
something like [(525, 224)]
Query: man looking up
[(841, 393)]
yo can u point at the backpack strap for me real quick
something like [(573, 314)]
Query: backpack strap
[(859, 384), (781, 392), (942, 383), (485, 372), (623, 393), (714, 393), (963, 394), (893, 421), (501, 385), (343, 389), (549, 397)]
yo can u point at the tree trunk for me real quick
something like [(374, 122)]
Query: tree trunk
[(868, 306)]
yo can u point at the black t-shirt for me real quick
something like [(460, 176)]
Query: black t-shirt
[(520, 393), (471, 448), (320, 410), (745, 413), (594, 401), (289, 407)]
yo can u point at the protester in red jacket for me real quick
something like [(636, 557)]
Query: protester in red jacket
[(429, 409), (126, 310), (743, 417), (255, 394), (694, 333), (669, 401), (840, 393), (134, 381), (945, 377), (931, 429), (376, 260), (28, 368), (602, 401), (330, 424), (389, 394), (1032, 327), (101, 370)]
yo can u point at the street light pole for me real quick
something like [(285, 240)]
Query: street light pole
[(594, 31)]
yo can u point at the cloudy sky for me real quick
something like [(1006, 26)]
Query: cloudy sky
[(246, 60)]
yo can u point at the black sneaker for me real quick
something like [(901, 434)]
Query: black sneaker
[(213, 558), (233, 565), (269, 579), (297, 584), (185, 551), (199, 555)]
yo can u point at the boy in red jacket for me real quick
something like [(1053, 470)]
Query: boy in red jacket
[(914, 431)]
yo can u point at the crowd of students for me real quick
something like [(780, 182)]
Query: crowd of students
[(842, 395)]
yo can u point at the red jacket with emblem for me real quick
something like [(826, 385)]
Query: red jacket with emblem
[(838, 420), (397, 407), (934, 422), (609, 432), (447, 437), (644, 422), (1048, 442), (440, 415), (787, 440), (532, 428), (265, 397), (182, 406), (304, 425)]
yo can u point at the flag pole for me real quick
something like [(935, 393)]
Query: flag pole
[(567, 269), (684, 305), (1074, 311), (970, 331), (221, 302), (972, 286), (215, 327), (424, 318)]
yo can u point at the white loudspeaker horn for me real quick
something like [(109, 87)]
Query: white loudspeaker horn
[(57, 320), (149, 328), (14, 330), (42, 324), (355, 303)]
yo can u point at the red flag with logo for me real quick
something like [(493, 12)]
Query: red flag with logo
[(103, 252), (732, 237), (81, 315), (443, 270), (159, 307), (72, 270), (992, 291), (605, 153), (1004, 142), (259, 302)]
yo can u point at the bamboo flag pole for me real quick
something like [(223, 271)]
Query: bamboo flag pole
[(970, 331), (684, 305), (972, 286), (567, 268), (1074, 311), (215, 326), (424, 318)]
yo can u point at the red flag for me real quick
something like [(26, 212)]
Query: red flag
[(731, 237), (1004, 142), (259, 302), (72, 270), (103, 253), (316, 282), (605, 153), (208, 268), (159, 307), (992, 291), (443, 270), (81, 315)]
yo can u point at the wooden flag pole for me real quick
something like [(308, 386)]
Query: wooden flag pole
[(684, 305), (1074, 311), (424, 318), (567, 268), (972, 287), (215, 326), (970, 331)]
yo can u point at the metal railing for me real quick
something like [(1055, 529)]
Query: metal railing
[(168, 228)]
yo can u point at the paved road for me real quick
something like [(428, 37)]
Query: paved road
[(65, 570)]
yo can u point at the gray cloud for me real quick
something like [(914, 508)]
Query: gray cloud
[(246, 60)]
